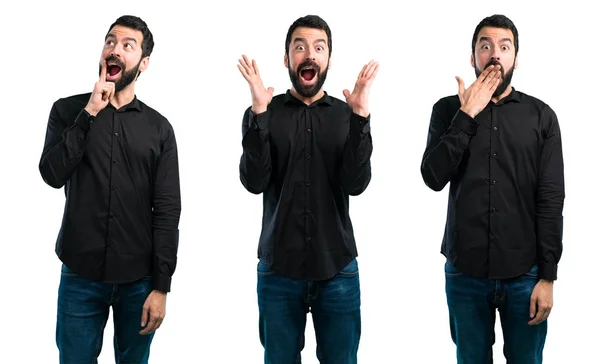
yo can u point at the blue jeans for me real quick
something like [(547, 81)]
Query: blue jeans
[(335, 306), (83, 308), (472, 303)]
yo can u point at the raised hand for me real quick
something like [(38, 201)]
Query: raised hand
[(261, 96), (102, 93), (358, 100), (478, 95)]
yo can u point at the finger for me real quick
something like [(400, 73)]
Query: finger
[(372, 71), (247, 64), (103, 72), (243, 72), (493, 75), (532, 306), (461, 85), (362, 71), (346, 93), (255, 68), (495, 84), (145, 312), (150, 328), (485, 73), (271, 90)]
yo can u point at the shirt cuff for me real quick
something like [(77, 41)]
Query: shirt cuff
[(364, 124), (161, 283), (84, 119), (259, 121), (465, 122), (548, 271)]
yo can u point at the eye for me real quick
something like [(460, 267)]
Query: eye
[(485, 46), (320, 48), (300, 48), (505, 48), (128, 45), (110, 42)]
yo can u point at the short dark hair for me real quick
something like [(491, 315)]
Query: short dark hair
[(496, 21), (308, 21), (136, 23)]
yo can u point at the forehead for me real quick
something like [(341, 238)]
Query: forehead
[(119, 31), (309, 34), (495, 34)]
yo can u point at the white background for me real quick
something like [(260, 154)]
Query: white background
[(51, 50)]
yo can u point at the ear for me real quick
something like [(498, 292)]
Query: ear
[(144, 64), (285, 60), (516, 62), (472, 61), (329, 63)]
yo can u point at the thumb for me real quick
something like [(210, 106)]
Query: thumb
[(532, 306), (461, 85), (346, 93), (270, 90)]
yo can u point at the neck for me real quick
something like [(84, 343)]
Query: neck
[(123, 97), (503, 95), (307, 100)]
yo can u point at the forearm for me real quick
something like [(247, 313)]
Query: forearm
[(445, 148), (255, 162), (356, 160), (63, 148)]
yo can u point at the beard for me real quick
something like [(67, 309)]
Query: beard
[(307, 90), (506, 76), (127, 77)]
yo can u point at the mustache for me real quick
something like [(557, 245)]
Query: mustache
[(494, 62), (114, 59), (309, 63)]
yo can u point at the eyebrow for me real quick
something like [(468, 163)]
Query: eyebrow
[(131, 39), (490, 39), (296, 40)]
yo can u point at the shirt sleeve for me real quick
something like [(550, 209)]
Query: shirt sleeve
[(550, 198), (446, 145), (166, 213), (255, 163), (356, 160), (64, 146)]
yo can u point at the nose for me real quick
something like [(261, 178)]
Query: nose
[(311, 54)]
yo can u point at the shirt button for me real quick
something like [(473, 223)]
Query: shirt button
[(494, 182), (308, 184), (117, 134), (308, 238), (493, 209), (495, 128), (309, 130), (309, 211), (494, 155), (114, 187), (309, 157), (115, 160)]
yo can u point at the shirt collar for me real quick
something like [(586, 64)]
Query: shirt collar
[(325, 100)]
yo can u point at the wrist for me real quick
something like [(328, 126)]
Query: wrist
[(258, 109), (361, 112), (91, 111)]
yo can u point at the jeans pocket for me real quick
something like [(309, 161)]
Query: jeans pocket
[(263, 269), (350, 270), (451, 270), (533, 272)]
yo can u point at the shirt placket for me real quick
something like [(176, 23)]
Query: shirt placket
[(113, 185), (308, 142), (493, 233)]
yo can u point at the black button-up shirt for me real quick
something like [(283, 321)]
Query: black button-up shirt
[(121, 178), (505, 169), (306, 160)]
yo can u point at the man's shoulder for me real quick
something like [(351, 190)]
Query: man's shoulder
[(448, 102), (79, 100)]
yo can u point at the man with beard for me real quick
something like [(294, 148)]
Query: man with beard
[(500, 149), (307, 152), (117, 159)]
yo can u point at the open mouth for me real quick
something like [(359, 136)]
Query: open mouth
[(113, 69), (308, 74)]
